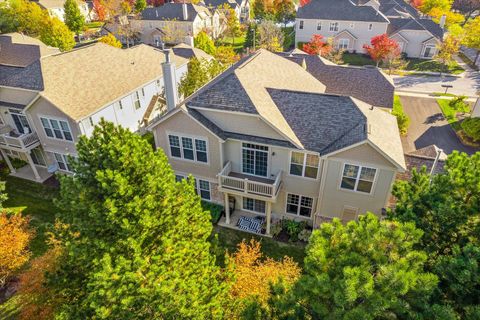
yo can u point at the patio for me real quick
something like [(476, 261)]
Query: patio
[(236, 215), (26, 172)]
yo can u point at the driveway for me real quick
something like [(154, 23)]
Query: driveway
[(428, 126)]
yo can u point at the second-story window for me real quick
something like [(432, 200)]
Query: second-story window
[(56, 129), (304, 165), (319, 26), (300, 24), (358, 178), (333, 26), (188, 148), (254, 159), (136, 100), (370, 26)]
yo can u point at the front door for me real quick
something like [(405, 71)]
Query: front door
[(21, 123), (37, 157), (255, 159)]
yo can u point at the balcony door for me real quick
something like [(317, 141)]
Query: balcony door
[(254, 159), (21, 122)]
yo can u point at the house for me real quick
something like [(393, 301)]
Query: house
[(55, 8), (266, 141), (371, 84), (174, 23), (352, 24), (241, 7), (48, 99)]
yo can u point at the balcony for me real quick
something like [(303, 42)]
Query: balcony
[(19, 142), (239, 183)]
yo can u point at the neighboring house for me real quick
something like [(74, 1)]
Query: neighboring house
[(185, 51), (175, 23), (265, 140), (352, 24), (122, 28), (369, 84), (48, 99), (55, 8), (223, 6)]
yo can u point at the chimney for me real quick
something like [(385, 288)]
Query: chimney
[(189, 41), (443, 18), (170, 81), (185, 11)]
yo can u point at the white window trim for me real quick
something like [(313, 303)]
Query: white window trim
[(199, 189), (256, 212), (374, 182), (299, 205), (268, 159), (347, 41), (180, 135), (65, 161), (304, 166), (334, 25), (40, 116)]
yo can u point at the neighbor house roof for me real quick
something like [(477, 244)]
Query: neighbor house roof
[(173, 11), (220, 3), (18, 50), (50, 4), (399, 24), (185, 51), (243, 88), (368, 84), (339, 10), (396, 8)]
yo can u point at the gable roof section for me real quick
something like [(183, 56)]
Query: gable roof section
[(398, 24), (18, 50), (243, 88), (367, 84), (394, 8), (339, 10), (173, 11), (185, 51), (347, 32)]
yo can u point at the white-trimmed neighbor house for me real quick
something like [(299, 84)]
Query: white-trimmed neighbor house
[(55, 8), (352, 24), (48, 99), (266, 141)]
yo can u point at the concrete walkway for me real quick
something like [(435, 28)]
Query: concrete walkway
[(428, 126)]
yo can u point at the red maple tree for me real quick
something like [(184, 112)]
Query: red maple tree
[(99, 9), (382, 48), (304, 2), (317, 46), (416, 3)]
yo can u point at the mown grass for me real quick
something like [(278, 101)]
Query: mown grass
[(449, 113), (237, 43)]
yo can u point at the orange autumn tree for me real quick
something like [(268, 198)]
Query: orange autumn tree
[(382, 48), (15, 236), (253, 274), (317, 46)]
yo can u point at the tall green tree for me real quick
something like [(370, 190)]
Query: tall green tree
[(199, 73), (73, 18), (284, 11), (140, 5), (56, 34), (234, 29), (363, 270), (251, 36), (204, 42), (138, 244), (472, 35)]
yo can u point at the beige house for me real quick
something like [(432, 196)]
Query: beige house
[(265, 141), (352, 24), (55, 8), (48, 99)]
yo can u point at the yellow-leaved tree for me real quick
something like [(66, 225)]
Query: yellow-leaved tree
[(253, 275)]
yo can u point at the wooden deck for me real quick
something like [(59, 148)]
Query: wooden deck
[(251, 178)]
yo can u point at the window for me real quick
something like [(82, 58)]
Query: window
[(254, 159), (179, 177), (300, 26), (370, 26), (304, 165), (120, 105), (254, 205), (358, 178), (204, 189), (319, 26), (333, 26), (188, 148), (20, 120), (299, 205), (143, 93), (62, 161), (91, 121), (136, 100), (56, 129), (343, 44)]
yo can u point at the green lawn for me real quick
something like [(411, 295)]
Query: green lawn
[(432, 66), (94, 24), (237, 43), (355, 59), (449, 113)]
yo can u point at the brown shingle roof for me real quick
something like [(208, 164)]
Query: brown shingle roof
[(18, 50)]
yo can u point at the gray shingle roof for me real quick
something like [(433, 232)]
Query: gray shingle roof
[(173, 11), (339, 10), (367, 84), (29, 77), (219, 3), (323, 123), (394, 7), (398, 24)]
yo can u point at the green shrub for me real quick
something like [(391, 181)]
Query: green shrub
[(293, 228), (471, 126), (304, 235), (403, 120), (275, 229), (458, 104), (215, 210)]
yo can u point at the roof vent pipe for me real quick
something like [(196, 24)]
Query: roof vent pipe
[(185, 11)]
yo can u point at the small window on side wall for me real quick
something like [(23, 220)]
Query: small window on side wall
[(304, 165), (358, 178), (300, 25)]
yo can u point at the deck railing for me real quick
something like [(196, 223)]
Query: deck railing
[(249, 186), (21, 142)]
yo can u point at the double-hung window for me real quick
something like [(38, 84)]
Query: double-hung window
[(136, 100), (254, 159), (188, 148), (204, 189), (300, 25), (343, 44), (333, 26), (358, 178), (304, 165), (58, 129), (254, 205), (299, 205), (319, 26), (62, 161)]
